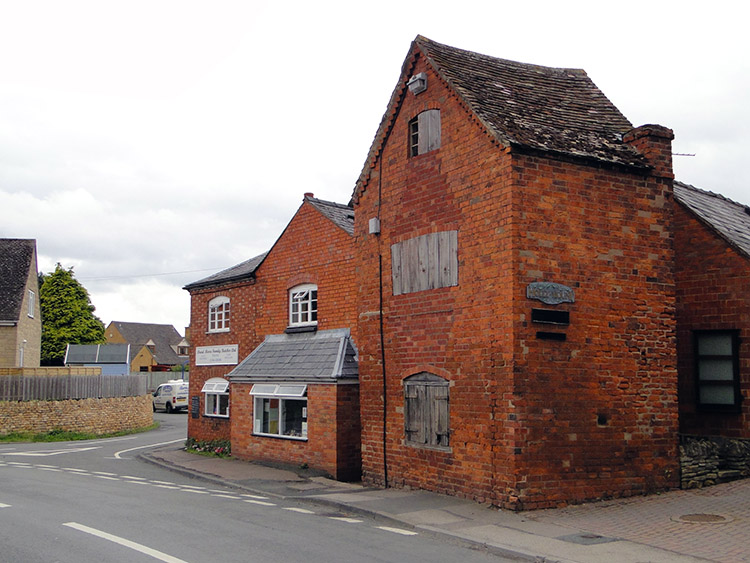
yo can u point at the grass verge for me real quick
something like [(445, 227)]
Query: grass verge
[(59, 435)]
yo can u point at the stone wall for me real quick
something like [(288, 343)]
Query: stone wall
[(708, 461), (96, 416)]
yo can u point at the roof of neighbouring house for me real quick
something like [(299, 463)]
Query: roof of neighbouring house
[(339, 214), (324, 356), (163, 337), (241, 271), (80, 354), (728, 219), (16, 259), (557, 110)]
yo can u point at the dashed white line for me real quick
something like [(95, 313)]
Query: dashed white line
[(106, 477), (300, 510), (126, 543), (133, 478), (233, 497), (255, 496), (4, 505), (347, 520), (104, 473), (397, 531), (194, 491), (260, 502)]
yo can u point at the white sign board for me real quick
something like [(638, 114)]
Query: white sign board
[(216, 355)]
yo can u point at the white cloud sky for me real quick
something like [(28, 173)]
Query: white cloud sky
[(149, 144)]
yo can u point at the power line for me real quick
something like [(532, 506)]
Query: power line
[(153, 275)]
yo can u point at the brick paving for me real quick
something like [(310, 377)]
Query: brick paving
[(655, 521)]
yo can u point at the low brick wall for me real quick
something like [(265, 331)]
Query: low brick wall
[(96, 416), (710, 460)]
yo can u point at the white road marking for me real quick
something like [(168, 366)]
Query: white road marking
[(104, 473), (300, 510), (255, 496), (133, 478), (106, 477), (162, 482), (194, 491), (47, 453), (172, 487), (75, 469), (50, 469), (4, 505), (227, 496), (117, 454), (260, 502), (126, 543), (347, 520), (397, 531)]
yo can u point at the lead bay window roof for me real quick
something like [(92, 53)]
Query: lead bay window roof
[(326, 356)]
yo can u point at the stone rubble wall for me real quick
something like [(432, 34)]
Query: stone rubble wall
[(95, 416), (711, 460)]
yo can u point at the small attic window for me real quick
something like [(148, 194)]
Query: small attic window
[(424, 132)]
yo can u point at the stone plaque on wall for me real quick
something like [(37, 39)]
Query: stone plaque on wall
[(550, 293)]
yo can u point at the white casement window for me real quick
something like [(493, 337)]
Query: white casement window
[(218, 314), (32, 299), (216, 393), (280, 410), (303, 305), (424, 132), (717, 370), (426, 413)]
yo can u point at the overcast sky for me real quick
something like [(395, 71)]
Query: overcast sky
[(148, 144)]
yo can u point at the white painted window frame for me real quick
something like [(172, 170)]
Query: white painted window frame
[(304, 296), (219, 314)]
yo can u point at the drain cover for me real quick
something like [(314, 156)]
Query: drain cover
[(586, 539), (701, 518)]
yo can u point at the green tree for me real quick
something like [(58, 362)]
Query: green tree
[(67, 315)]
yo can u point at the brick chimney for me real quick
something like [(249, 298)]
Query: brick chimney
[(655, 143)]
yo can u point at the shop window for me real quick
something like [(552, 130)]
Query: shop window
[(216, 393), (717, 370), (280, 411), (218, 314), (426, 412), (303, 305)]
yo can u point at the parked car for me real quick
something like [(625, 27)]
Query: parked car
[(171, 396)]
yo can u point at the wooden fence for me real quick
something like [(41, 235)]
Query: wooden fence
[(63, 387)]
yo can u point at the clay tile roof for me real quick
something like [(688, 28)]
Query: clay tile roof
[(545, 108), (241, 271), (16, 259), (340, 214), (554, 110), (728, 219)]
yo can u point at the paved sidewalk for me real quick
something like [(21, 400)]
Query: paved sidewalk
[(711, 524)]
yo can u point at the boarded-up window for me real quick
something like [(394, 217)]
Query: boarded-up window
[(424, 132), (425, 262), (426, 413)]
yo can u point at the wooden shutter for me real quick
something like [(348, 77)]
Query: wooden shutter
[(429, 130), (425, 262), (439, 415), (414, 418)]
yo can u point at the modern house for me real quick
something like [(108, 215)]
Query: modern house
[(20, 317), (275, 356), (153, 347)]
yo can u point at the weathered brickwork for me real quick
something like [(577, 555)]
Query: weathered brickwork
[(712, 294), (312, 249), (333, 432), (533, 423), (96, 416)]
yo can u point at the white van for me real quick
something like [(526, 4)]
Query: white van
[(171, 396)]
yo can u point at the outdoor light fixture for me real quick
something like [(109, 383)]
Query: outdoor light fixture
[(417, 83)]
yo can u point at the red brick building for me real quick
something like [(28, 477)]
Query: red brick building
[(263, 325), (712, 272), (516, 291)]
